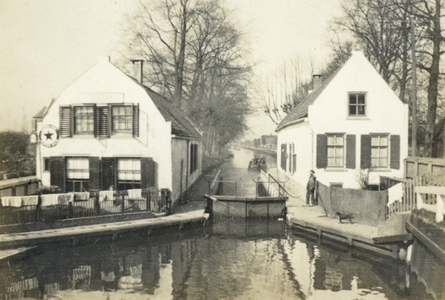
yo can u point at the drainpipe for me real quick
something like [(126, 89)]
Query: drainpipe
[(313, 144), (187, 166)]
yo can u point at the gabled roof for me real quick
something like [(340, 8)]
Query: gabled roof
[(301, 110), (181, 125)]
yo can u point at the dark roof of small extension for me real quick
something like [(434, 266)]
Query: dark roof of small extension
[(41, 113), (301, 110), (181, 125)]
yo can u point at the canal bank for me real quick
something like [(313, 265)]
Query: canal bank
[(189, 212), (230, 259)]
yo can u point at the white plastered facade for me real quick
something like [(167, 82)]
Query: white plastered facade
[(106, 84), (385, 113)]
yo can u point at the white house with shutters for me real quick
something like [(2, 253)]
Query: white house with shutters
[(107, 130), (350, 124)]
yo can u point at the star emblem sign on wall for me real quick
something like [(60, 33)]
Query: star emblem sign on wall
[(49, 136)]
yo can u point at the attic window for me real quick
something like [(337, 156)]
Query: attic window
[(357, 104)]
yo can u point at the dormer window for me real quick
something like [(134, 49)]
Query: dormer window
[(357, 104)]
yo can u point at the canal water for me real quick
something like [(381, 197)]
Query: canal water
[(228, 259)]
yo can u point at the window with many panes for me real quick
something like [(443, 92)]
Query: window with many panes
[(128, 173), (102, 121), (84, 120), (357, 104), (77, 174), (336, 150), (379, 150), (122, 119)]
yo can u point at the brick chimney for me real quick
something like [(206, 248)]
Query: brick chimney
[(316, 80), (137, 71)]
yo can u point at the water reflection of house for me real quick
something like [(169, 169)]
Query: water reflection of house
[(109, 130)]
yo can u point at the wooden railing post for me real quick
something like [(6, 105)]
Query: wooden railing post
[(439, 212), (419, 200)]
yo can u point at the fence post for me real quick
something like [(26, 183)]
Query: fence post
[(122, 196), (439, 206), (70, 210), (95, 196), (419, 200), (169, 201)]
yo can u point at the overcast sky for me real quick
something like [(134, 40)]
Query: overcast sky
[(46, 44)]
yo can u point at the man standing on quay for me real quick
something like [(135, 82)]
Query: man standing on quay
[(311, 188)]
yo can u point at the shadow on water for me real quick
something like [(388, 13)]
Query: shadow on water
[(229, 259)]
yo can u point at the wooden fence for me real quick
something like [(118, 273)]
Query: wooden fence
[(409, 200), (433, 204), (19, 186), (418, 166)]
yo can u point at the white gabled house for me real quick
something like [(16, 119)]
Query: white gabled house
[(106, 130), (352, 121)]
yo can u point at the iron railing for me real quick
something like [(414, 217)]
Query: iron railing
[(92, 204)]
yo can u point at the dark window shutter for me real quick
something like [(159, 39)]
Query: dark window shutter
[(94, 173), (110, 120), (283, 156), (57, 171), (101, 124), (148, 176), (322, 151), (65, 121), (196, 157), (395, 152), (191, 158), (365, 154), (108, 172), (136, 120), (95, 124), (350, 151), (294, 163), (290, 156)]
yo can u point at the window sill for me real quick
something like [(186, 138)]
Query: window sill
[(335, 169), (83, 136), (358, 118), (120, 136), (380, 170)]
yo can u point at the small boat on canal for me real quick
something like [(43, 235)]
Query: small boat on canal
[(257, 164)]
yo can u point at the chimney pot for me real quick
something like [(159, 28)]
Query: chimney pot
[(317, 80), (137, 71)]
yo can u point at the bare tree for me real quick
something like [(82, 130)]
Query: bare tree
[(158, 33), (218, 76), (193, 53), (380, 28), (282, 90), (13, 154), (428, 14)]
